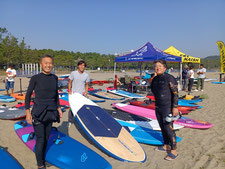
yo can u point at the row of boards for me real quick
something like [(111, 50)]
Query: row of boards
[(149, 113), (103, 129)]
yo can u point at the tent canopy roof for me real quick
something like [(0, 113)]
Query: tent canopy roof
[(185, 58), (147, 53)]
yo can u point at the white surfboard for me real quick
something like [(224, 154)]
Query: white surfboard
[(105, 131)]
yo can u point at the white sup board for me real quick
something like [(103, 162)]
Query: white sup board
[(105, 131)]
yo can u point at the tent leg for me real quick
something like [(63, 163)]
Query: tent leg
[(140, 64), (114, 70), (180, 75), (180, 82), (115, 76)]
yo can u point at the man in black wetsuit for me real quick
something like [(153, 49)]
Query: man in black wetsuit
[(45, 86), (164, 88)]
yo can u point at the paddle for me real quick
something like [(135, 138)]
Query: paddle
[(21, 94)]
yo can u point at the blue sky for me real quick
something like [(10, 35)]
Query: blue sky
[(116, 26)]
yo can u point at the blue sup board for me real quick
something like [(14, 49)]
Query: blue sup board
[(62, 150), (190, 101), (145, 135), (218, 82), (4, 98), (125, 94), (181, 103), (105, 131), (64, 96), (105, 95), (8, 161)]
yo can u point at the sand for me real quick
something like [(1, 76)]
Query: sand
[(199, 148)]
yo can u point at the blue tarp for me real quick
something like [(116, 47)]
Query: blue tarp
[(147, 53)]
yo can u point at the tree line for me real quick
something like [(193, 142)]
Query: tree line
[(13, 51)]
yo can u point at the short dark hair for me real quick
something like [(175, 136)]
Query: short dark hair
[(191, 67), (160, 61), (201, 65), (82, 62), (46, 56), (11, 65)]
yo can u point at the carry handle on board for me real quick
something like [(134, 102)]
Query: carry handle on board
[(23, 123), (31, 136), (57, 141)]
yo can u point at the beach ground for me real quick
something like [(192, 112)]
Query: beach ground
[(199, 149)]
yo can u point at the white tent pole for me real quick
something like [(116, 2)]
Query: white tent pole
[(180, 71)]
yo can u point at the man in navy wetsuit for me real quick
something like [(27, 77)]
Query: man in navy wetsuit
[(164, 88), (45, 87)]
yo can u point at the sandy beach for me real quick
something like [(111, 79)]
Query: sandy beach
[(199, 149)]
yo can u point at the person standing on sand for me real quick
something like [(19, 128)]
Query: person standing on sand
[(79, 82), (190, 78), (201, 77), (165, 89), (184, 77), (10, 76), (46, 109)]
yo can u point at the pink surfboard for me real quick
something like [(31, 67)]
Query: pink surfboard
[(140, 111)]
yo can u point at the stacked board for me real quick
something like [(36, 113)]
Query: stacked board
[(125, 94), (185, 103), (92, 98), (145, 135), (62, 151), (184, 121), (19, 96), (151, 105), (4, 98), (11, 113), (105, 95), (124, 117), (180, 100), (218, 82)]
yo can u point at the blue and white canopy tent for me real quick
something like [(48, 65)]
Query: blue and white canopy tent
[(147, 53)]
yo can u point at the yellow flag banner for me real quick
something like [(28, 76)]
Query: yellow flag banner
[(187, 58), (222, 55)]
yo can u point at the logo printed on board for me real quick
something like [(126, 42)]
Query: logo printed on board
[(83, 157)]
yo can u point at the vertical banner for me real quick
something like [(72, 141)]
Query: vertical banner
[(222, 55)]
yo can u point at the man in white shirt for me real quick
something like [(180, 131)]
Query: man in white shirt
[(190, 78), (201, 77), (9, 82)]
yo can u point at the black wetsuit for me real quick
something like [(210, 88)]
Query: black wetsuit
[(46, 90), (164, 88)]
